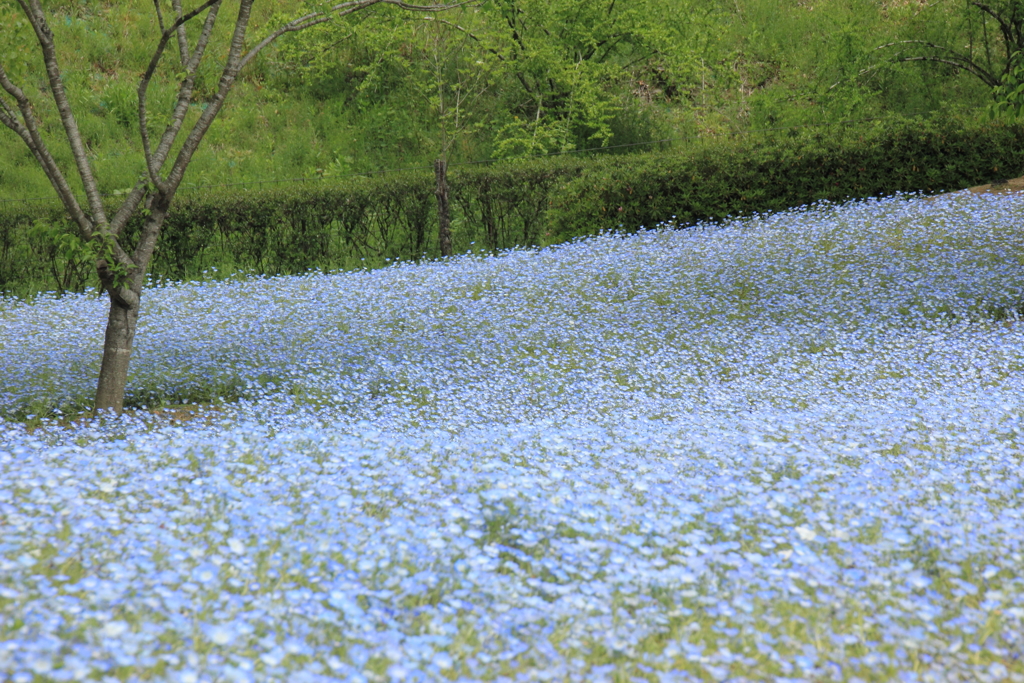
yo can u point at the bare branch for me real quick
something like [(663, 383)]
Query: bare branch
[(34, 14), (159, 16), (967, 66), (232, 66), (1005, 28), (955, 59), (154, 162), (515, 35), (7, 115), (185, 91), (182, 20), (519, 76), (182, 36), (10, 119), (340, 10), (469, 33), (128, 207), (29, 132), (915, 42), (860, 73), (151, 166)]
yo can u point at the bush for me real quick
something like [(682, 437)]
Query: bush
[(368, 221), (735, 177)]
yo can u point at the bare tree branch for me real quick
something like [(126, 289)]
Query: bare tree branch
[(231, 68), (34, 13), (182, 36), (7, 115), (955, 59), (159, 16), (519, 76), (340, 10), (1004, 27), (128, 207), (185, 91), (966, 65), (29, 132), (469, 33), (985, 76), (860, 73), (9, 119), (155, 162)]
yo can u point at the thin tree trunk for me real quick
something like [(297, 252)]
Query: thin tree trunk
[(444, 216), (490, 226), (117, 352), (123, 317)]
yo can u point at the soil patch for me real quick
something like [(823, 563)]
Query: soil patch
[(999, 187)]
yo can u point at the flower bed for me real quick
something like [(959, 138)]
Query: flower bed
[(786, 447)]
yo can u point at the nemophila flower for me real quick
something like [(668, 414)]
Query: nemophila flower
[(787, 446), (206, 573)]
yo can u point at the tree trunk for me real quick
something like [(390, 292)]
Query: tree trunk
[(444, 217), (117, 352), (125, 298), (490, 226)]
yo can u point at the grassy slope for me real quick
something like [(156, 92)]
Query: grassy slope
[(768, 66)]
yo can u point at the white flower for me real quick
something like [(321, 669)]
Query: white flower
[(221, 634), (442, 660), (114, 629)]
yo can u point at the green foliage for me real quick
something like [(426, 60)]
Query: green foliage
[(558, 75), (1009, 94), (373, 92), (70, 258), (731, 177), (349, 97), (30, 251), (370, 221), (568, 61)]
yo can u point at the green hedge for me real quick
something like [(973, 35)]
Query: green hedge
[(771, 174), (367, 221)]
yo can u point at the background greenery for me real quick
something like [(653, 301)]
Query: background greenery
[(737, 95)]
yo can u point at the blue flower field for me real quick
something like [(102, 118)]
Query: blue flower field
[(784, 447)]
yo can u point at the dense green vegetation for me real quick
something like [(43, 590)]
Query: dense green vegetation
[(359, 221), (730, 108), (383, 90)]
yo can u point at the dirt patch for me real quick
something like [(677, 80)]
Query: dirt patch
[(1000, 187)]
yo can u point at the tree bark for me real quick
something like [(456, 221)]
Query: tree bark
[(444, 216), (117, 352), (123, 317)]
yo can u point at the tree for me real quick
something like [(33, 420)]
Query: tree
[(989, 36), (566, 55), (562, 69), (122, 267), (450, 81), (1009, 94), (427, 59)]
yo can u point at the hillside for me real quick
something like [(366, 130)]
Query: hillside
[(359, 95)]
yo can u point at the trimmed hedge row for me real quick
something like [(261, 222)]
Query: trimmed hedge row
[(772, 174), (367, 221)]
